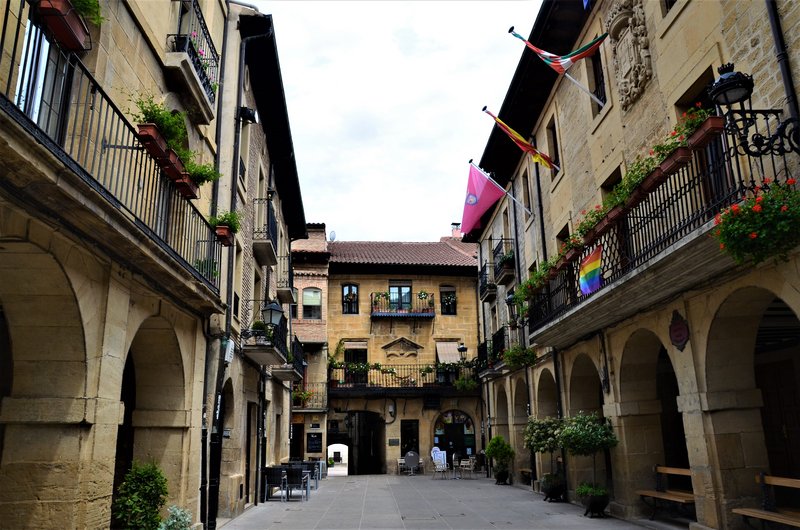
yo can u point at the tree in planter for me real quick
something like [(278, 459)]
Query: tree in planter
[(141, 496), (586, 435), (501, 452), (542, 435)]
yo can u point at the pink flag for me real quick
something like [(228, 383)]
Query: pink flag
[(481, 195)]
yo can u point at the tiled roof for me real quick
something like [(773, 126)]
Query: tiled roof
[(448, 253)]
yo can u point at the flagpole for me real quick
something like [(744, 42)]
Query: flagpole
[(596, 100), (501, 188)]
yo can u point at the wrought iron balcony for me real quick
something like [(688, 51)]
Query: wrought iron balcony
[(194, 40), (486, 286), (401, 379), (418, 305), (294, 368), (51, 94), (265, 232), (262, 343), (658, 247), (285, 280), (317, 400), (504, 261)]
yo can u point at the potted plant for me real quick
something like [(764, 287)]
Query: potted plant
[(261, 331), (518, 356), (501, 452), (331, 462), (160, 129), (225, 224), (465, 384), (177, 519), (65, 20), (585, 435), (763, 225), (140, 497), (541, 435)]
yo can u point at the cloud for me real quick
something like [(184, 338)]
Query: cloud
[(384, 101)]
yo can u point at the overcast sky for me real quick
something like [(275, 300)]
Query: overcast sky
[(384, 101)]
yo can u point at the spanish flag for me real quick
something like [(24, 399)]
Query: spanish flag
[(590, 272)]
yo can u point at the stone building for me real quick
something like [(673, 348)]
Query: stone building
[(692, 357), (397, 314), (118, 309)]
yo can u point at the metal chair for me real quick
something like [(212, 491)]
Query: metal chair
[(274, 477), (401, 465), (440, 468), (297, 477), (465, 466)]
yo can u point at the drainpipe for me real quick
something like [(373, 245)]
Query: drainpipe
[(540, 207), (783, 57)]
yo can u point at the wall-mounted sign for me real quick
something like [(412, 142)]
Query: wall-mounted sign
[(678, 331), (394, 441), (314, 442)]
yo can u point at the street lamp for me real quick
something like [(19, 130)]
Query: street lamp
[(272, 313), (462, 351), (735, 87)]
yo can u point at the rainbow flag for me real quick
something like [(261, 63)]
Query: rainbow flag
[(591, 267)]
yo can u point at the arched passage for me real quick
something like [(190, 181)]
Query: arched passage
[(522, 457), (153, 392), (500, 420), (546, 403), (753, 390), (43, 389), (586, 394), (454, 432), (650, 424)]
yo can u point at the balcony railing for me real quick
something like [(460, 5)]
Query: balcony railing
[(194, 39), (401, 376), (504, 261), (274, 339), (51, 94), (298, 356), (265, 232), (285, 280), (487, 289), (716, 178), (418, 305), (318, 399)]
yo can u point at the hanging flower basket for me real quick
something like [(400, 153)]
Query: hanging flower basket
[(65, 24), (224, 235), (154, 142), (676, 160), (186, 187), (712, 127)]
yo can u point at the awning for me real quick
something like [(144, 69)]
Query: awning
[(447, 352), (355, 345)]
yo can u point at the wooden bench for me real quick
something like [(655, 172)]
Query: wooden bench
[(683, 499), (769, 513)]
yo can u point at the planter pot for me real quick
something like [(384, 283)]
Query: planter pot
[(65, 24), (708, 130), (553, 491), (611, 218), (595, 505), (186, 187), (653, 180), (676, 160), (172, 165), (637, 196), (589, 236), (224, 235), (500, 477), (153, 141), (572, 254)]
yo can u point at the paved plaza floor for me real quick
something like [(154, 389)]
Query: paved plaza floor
[(418, 502)]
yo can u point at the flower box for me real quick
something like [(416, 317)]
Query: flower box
[(653, 180), (186, 187), (637, 195), (611, 218), (65, 24), (712, 127), (224, 235), (676, 160), (172, 165), (153, 141)]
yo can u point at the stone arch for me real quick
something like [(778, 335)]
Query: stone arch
[(44, 389), (229, 454), (454, 431), (752, 386), (522, 456), (546, 401), (649, 423), (501, 416)]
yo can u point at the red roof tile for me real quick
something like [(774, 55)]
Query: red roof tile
[(451, 253)]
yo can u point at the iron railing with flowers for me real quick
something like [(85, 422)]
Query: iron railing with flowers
[(379, 376), (51, 94), (486, 286), (310, 396), (420, 304), (194, 39), (710, 178), (503, 258)]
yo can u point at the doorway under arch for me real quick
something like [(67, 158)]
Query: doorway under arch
[(454, 432)]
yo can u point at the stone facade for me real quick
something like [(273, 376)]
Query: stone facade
[(674, 352)]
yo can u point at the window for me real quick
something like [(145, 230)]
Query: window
[(610, 183), (668, 4), (399, 295), (349, 299), (447, 295), (526, 194), (312, 304), (597, 82), (552, 145)]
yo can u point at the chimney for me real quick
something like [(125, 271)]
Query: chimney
[(455, 230)]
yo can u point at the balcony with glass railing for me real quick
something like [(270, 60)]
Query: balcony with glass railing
[(53, 97), (660, 245)]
